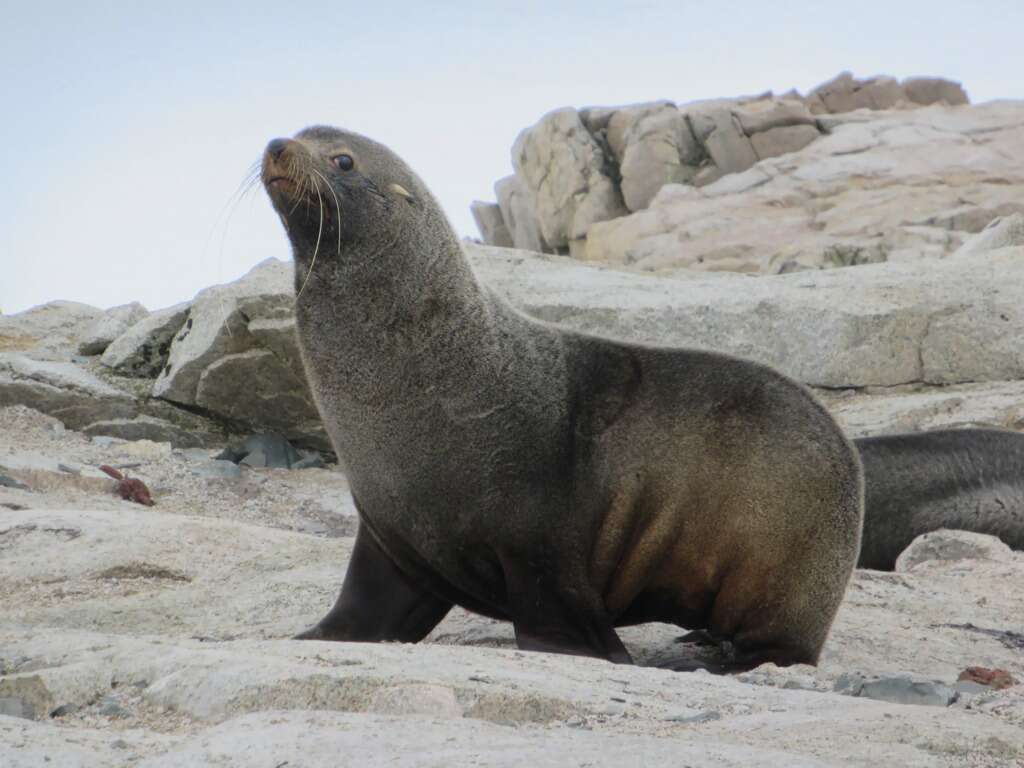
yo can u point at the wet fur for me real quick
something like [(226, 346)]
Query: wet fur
[(565, 482)]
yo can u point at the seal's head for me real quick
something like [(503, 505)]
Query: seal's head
[(336, 190)]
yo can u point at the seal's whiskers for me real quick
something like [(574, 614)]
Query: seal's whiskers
[(337, 206), (319, 232)]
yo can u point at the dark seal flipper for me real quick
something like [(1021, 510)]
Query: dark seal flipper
[(964, 479), (378, 602)]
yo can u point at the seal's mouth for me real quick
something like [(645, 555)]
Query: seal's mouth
[(280, 182)]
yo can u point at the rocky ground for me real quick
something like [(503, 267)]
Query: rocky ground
[(157, 635), (151, 636)]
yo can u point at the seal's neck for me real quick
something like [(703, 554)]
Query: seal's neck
[(391, 319)]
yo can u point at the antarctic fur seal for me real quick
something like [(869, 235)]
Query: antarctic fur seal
[(966, 479), (564, 482)]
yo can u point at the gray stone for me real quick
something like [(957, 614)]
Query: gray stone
[(311, 460), (955, 322), (946, 546), (62, 390), (267, 450), (49, 331), (727, 144), (970, 688), (783, 140), (143, 348), (25, 695), (660, 149), (876, 184), (849, 683), (237, 357), (998, 404), (933, 90), (108, 326), (217, 469), (144, 428), (622, 120), (517, 212), (110, 707), (14, 707), (259, 389), (596, 118), (844, 93), (908, 690), (1004, 232), (219, 326), (758, 117), (564, 168), (492, 226), (10, 482)]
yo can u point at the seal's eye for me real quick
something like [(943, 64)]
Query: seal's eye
[(344, 162)]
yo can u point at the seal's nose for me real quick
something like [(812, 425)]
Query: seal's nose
[(277, 147)]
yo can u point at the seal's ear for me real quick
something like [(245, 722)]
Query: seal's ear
[(401, 191)]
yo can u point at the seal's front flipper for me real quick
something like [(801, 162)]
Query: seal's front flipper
[(378, 602), (555, 620)]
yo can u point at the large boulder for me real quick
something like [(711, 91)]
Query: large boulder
[(724, 140), (49, 331), (491, 224), (63, 390), (564, 168), (577, 171), (844, 93), (899, 185), (875, 325), (237, 359), (108, 326), (659, 149), (934, 90), (143, 348), (517, 212)]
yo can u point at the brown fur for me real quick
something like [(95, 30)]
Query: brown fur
[(566, 482)]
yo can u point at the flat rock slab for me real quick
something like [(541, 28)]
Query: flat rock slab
[(875, 325), (916, 408), (61, 389), (143, 572), (222, 703), (49, 331)]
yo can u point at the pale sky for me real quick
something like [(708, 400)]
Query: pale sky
[(126, 127)]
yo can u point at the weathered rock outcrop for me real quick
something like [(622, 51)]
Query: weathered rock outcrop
[(61, 389), (563, 169), (577, 170), (877, 325), (237, 358), (490, 222), (50, 331), (903, 185), (142, 349), (108, 326)]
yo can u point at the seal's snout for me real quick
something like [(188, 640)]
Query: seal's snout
[(277, 147)]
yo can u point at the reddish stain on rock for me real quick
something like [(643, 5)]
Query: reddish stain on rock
[(996, 679)]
